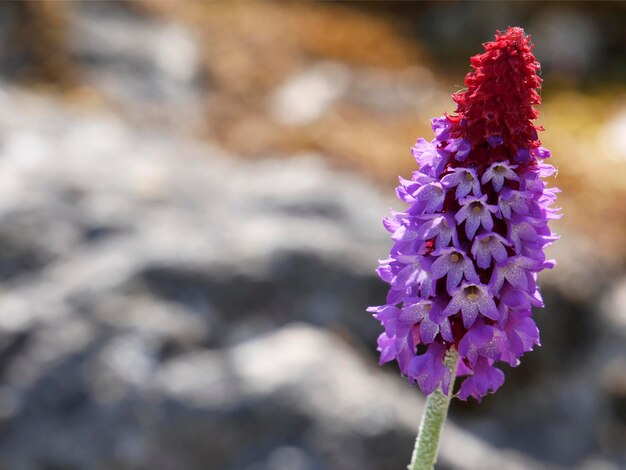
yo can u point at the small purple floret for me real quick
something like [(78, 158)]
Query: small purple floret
[(475, 212), (464, 179), (497, 173)]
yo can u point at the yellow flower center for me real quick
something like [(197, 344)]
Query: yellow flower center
[(454, 257), (471, 292), (469, 177)]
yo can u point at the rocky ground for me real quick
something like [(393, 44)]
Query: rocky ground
[(165, 304), (151, 286)]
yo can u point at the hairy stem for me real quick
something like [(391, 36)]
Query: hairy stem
[(435, 413)]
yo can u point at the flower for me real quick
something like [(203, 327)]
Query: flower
[(453, 264), (468, 247), (472, 299), (465, 180), (475, 212), (497, 173)]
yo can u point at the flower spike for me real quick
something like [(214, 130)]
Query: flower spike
[(468, 247)]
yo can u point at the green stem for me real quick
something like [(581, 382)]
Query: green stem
[(435, 412)]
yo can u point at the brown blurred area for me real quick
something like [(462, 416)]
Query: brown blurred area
[(299, 96)]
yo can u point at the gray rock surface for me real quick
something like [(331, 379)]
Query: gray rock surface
[(149, 285), (139, 274)]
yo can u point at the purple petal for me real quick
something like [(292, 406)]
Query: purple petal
[(441, 128), (471, 225), (428, 331), (387, 349), (487, 307), (541, 152), (477, 337), (445, 330)]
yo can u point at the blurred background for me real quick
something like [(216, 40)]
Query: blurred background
[(191, 197)]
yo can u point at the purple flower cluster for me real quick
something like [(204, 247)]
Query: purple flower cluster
[(465, 258)]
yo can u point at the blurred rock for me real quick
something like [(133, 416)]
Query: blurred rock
[(388, 93), (350, 415), (33, 43), (140, 215), (145, 275), (148, 67), (613, 307), (140, 270), (570, 42), (615, 133), (306, 97)]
